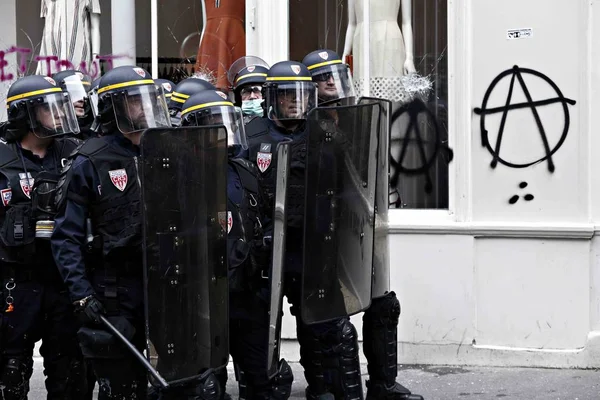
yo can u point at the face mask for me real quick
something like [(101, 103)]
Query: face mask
[(252, 107)]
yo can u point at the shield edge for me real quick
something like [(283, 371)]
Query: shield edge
[(277, 266)]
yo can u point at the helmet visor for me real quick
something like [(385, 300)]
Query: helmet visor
[(290, 101), (334, 82), (53, 115), (94, 101), (78, 91), (140, 108), (228, 116)]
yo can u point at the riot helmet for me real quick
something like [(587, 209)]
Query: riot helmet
[(290, 91), (247, 76), (182, 92), (78, 85), (212, 107), (167, 87), (37, 104), (128, 100), (332, 76)]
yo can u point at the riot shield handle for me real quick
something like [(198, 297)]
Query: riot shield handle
[(163, 383)]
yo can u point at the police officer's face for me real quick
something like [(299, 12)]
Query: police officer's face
[(292, 104), (251, 92), (326, 86), (79, 108), (49, 116), (136, 106)]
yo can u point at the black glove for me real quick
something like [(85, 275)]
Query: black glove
[(89, 310)]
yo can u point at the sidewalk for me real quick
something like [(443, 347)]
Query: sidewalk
[(448, 382)]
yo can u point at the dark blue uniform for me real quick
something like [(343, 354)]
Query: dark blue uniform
[(39, 304), (323, 346), (101, 184), (249, 262)]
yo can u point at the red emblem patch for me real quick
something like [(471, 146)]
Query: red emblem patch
[(6, 196), (251, 68), (223, 95), (26, 181), (295, 69), (263, 160), (118, 178), (50, 80), (324, 55), (140, 72), (167, 86), (226, 224)]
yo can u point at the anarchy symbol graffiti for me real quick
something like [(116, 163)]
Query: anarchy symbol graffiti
[(516, 74)]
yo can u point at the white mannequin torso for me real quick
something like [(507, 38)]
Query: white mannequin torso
[(387, 53)]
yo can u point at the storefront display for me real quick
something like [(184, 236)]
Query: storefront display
[(71, 33)]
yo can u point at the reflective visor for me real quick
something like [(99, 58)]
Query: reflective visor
[(228, 116), (139, 108), (334, 82), (290, 100), (78, 91), (53, 115)]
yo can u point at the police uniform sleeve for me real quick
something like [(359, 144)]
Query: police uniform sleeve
[(68, 238)]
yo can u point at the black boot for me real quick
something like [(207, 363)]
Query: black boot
[(380, 345)]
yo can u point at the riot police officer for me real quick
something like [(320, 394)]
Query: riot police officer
[(98, 202), (380, 320), (35, 303), (78, 85), (249, 255), (182, 92), (247, 90), (328, 351)]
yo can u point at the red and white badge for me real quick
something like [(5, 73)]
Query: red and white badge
[(295, 69), (324, 55), (118, 178), (263, 160), (26, 181), (226, 224), (140, 72), (6, 195), (251, 68), (50, 80), (167, 86)]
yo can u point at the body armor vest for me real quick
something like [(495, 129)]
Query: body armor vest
[(18, 221), (115, 212), (248, 255), (258, 132)]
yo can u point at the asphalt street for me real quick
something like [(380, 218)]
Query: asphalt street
[(449, 383)]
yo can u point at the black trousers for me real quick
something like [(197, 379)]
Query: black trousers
[(41, 311)]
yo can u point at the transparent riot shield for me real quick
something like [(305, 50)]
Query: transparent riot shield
[(183, 175), (339, 225), (381, 259), (276, 276)]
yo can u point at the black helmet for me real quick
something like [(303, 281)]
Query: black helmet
[(212, 107), (78, 85), (129, 101), (37, 104), (167, 87), (249, 77), (182, 92), (290, 91), (333, 77)]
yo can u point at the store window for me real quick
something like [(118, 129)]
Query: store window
[(419, 156)]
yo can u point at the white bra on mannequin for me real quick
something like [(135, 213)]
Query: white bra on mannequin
[(391, 54)]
